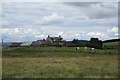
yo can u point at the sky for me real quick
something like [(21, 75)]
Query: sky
[(28, 21)]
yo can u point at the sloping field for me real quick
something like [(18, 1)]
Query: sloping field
[(112, 43)]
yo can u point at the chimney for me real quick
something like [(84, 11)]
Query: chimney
[(48, 36), (43, 39), (59, 36)]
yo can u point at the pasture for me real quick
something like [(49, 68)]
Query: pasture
[(59, 62)]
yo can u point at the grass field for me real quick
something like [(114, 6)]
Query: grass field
[(112, 45), (59, 62)]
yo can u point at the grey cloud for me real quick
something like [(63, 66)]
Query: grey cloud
[(96, 10), (109, 5), (101, 14), (81, 4)]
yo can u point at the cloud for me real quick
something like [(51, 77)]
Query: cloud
[(57, 14), (20, 34), (16, 32), (81, 4), (34, 20), (96, 34), (113, 32), (98, 10), (60, 33), (109, 5), (76, 35), (113, 29), (116, 34), (40, 36), (54, 18)]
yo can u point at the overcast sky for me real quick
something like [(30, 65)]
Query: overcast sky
[(27, 21)]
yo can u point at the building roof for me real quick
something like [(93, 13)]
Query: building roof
[(42, 41), (36, 43), (15, 44), (28, 43)]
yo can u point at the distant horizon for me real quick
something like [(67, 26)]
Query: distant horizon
[(63, 38)]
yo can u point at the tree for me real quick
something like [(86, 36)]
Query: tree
[(95, 42), (75, 41)]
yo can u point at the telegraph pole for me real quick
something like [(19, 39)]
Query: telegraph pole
[(2, 42)]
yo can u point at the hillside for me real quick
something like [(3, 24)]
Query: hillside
[(111, 40), (112, 44)]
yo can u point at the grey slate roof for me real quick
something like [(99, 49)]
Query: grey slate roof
[(15, 44), (28, 43), (36, 43)]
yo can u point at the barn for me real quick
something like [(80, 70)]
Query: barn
[(15, 44), (26, 44), (38, 43)]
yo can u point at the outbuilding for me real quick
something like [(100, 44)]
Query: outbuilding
[(15, 44), (26, 44)]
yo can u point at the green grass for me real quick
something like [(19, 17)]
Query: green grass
[(61, 67), (112, 45), (59, 62), (54, 51), (116, 43)]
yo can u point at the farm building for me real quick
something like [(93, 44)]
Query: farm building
[(50, 41), (6, 44), (15, 44), (38, 43), (55, 41), (26, 44)]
